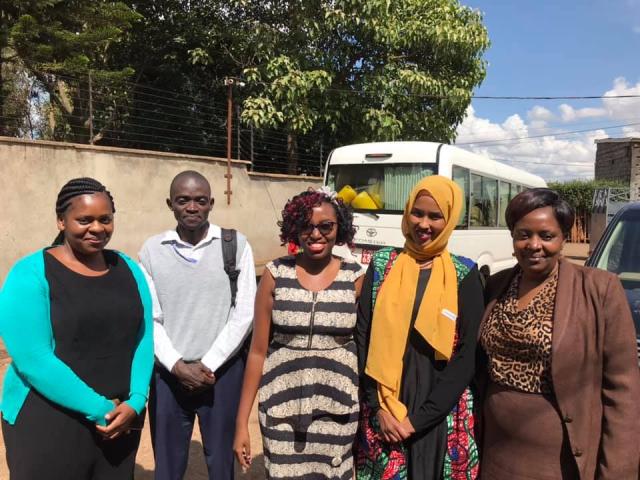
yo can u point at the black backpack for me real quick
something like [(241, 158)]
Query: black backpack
[(229, 249)]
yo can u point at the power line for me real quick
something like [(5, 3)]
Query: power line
[(569, 97), (479, 97), (550, 129)]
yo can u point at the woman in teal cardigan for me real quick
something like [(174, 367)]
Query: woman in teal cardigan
[(76, 320)]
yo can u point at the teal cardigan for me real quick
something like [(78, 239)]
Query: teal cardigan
[(25, 327)]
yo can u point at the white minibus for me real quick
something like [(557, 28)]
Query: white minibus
[(376, 179)]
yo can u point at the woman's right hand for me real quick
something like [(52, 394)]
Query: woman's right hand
[(242, 448), (391, 429), (120, 419)]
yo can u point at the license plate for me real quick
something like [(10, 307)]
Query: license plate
[(365, 259)]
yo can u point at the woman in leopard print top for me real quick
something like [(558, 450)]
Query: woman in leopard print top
[(561, 383)]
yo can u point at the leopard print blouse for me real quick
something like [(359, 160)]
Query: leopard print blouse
[(518, 342)]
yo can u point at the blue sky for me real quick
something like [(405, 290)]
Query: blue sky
[(556, 48)]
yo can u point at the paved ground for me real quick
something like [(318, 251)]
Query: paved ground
[(196, 471), (577, 252)]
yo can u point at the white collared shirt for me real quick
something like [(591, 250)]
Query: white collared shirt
[(191, 253)]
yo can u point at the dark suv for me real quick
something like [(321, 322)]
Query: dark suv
[(618, 251)]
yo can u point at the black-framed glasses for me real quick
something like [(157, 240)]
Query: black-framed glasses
[(325, 228)]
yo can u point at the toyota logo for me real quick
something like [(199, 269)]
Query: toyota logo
[(371, 232)]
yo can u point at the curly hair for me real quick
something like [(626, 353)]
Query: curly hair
[(297, 213)]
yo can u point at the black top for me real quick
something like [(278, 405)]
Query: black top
[(96, 323), (430, 388)]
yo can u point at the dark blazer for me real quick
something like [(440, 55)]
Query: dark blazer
[(594, 369)]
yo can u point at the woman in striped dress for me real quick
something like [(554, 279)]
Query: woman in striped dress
[(303, 356)]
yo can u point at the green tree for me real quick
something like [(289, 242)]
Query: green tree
[(16, 118), (579, 193), (10, 11), (163, 49), (360, 70), (317, 72), (55, 40)]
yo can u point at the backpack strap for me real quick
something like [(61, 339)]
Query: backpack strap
[(229, 249)]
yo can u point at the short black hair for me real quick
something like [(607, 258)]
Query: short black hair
[(298, 211), (532, 199), (185, 175)]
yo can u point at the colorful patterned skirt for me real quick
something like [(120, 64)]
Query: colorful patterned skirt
[(378, 460)]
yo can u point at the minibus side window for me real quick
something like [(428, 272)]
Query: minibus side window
[(490, 197), (506, 194), (484, 201), (460, 175)]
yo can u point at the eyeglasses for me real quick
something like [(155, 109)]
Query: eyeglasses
[(325, 228)]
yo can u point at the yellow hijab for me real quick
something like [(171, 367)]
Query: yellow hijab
[(436, 320)]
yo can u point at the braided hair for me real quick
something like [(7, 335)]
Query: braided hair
[(74, 188)]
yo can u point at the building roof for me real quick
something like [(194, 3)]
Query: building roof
[(618, 140)]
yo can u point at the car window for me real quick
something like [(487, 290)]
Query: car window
[(621, 255)]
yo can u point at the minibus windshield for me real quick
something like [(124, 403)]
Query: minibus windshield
[(379, 187)]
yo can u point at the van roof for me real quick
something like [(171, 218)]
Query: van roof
[(411, 152), (426, 152)]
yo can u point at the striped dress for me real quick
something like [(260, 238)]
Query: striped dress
[(308, 397)]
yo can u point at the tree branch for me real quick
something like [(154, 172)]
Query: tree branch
[(108, 123)]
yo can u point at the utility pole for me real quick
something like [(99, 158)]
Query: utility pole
[(238, 150), (251, 132), (321, 154), (90, 110), (229, 83)]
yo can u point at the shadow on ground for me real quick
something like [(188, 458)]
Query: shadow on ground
[(197, 469)]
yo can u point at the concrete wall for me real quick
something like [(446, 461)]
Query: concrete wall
[(32, 173), (596, 228), (635, 171), (613, 161)]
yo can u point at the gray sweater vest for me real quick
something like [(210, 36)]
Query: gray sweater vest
[(195, 298)]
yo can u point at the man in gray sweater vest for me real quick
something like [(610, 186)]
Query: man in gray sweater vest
[(198, 333)]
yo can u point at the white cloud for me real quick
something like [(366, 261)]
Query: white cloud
[(546, 156), (627, 109), (570, 114), (631, 132), (538, 125), (541, 114), (557, 155)]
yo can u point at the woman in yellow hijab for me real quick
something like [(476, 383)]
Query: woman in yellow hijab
[(418, 319)]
